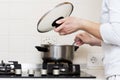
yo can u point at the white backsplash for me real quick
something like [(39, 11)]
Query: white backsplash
[(18, 28)]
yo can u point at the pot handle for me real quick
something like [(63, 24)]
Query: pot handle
[(42, 49), (76, 47)]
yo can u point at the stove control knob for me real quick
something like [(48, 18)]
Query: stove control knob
[(31, 72), (63, 70), (56, 71), (18, 72), (43, 71)]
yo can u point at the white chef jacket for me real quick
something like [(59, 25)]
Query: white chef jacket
[(110, 32)]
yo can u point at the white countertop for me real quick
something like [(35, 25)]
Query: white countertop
[(98, 73)]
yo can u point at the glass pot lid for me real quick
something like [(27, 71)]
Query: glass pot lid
[(48, 21)]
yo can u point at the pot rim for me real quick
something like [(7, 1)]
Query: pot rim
[(56, 45)]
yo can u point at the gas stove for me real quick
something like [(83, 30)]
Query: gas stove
[(13, 69)]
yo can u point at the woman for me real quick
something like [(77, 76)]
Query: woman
[(105, 34)]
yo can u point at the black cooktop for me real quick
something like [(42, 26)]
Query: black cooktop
[(82, 75), (15, 70)]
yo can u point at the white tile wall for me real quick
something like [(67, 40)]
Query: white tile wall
[(3, 44), (18, 33)]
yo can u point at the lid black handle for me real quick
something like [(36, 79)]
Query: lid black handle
[(54, 24)]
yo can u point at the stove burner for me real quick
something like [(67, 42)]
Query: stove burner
[(10, 69), (60, 67)]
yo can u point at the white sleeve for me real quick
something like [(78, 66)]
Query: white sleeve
[(110, 31)]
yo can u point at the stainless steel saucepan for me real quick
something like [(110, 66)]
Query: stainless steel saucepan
[(57, 52)]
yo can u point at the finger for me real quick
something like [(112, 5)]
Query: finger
[(58, 29), (61, 33), (79, 43), (78, 40), (60, 21), (81, 37)]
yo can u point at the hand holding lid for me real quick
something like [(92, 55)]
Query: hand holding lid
[(48, 21)]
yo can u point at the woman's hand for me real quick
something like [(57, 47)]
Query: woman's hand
[(72, 24), (68, 25), (86, 38)]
